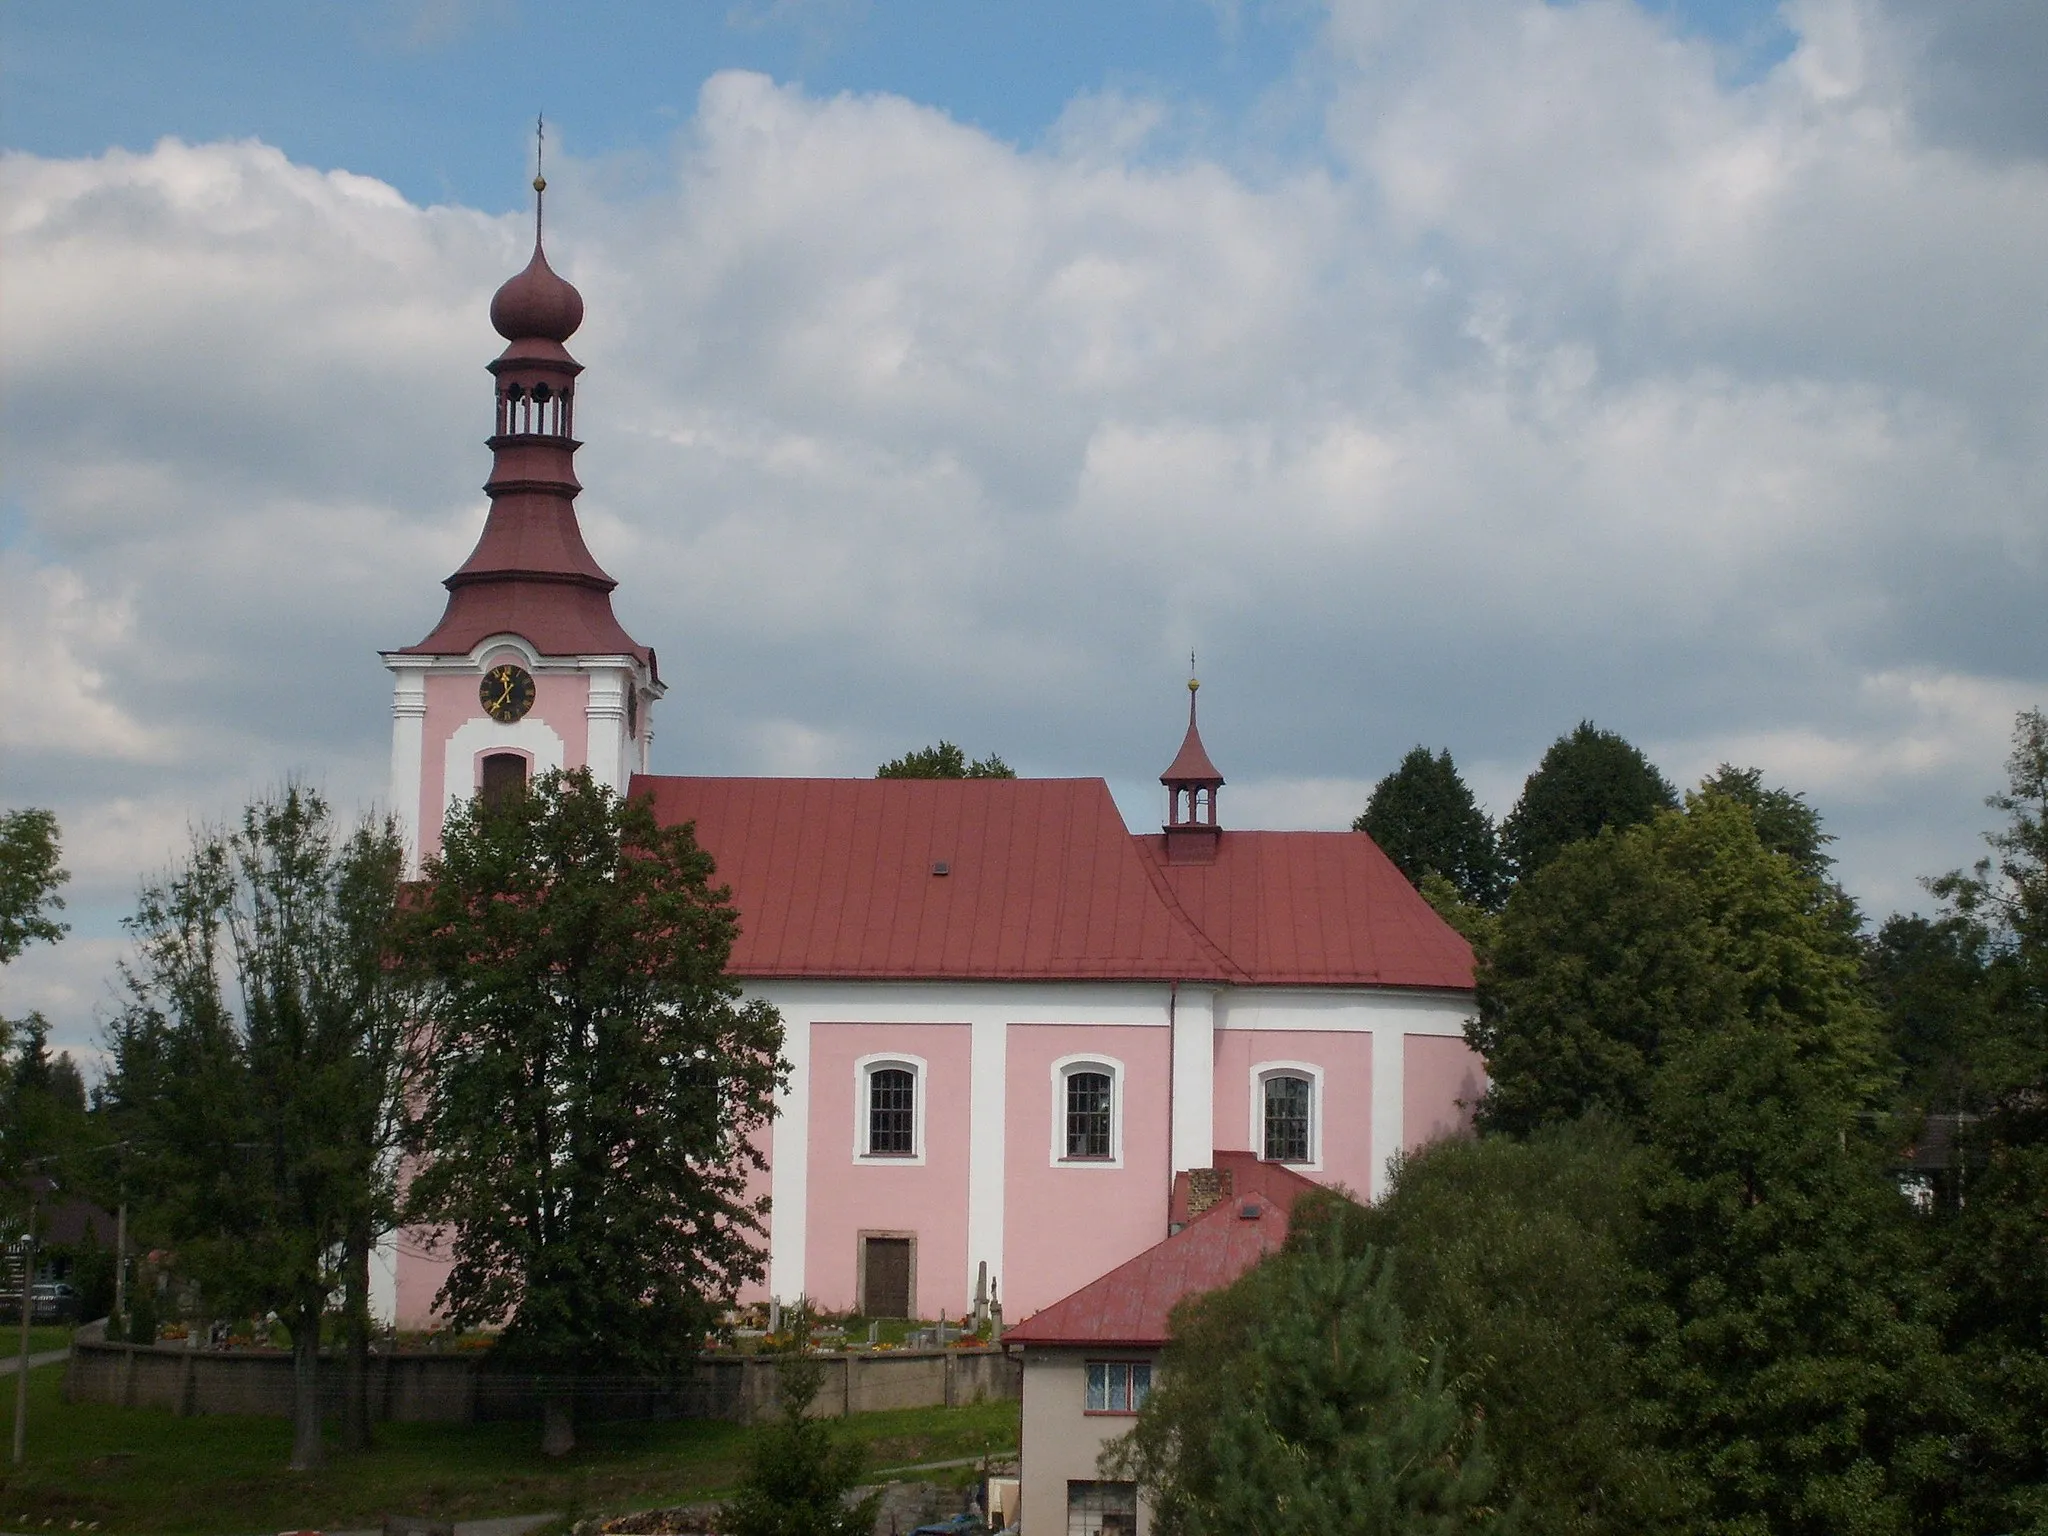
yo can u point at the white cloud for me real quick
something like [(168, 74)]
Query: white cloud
[(1564, 379)]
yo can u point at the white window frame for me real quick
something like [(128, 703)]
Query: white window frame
[(863, 1100), (1308, 1069), (1062, 1069)]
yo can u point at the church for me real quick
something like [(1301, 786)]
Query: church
[(1010, 1020)]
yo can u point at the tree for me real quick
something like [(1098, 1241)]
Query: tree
[(1625, 946), (799, 1473), (1994, 986), (266, 1115), (1520, 1263), (945, 761), (29, 878), (1690, 982), (593, 1085), (1292, 1404), (1424, 818), (1587, 781)]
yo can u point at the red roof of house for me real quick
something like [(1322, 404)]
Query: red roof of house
[(1131, 1305), (837, 878), (1235, 1174)]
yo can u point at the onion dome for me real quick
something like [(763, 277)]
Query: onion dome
[(537, 304)]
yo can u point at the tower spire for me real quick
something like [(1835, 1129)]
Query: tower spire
[(531, 573), (540, 181)]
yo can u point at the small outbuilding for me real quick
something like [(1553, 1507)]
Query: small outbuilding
[(1090, 1359)]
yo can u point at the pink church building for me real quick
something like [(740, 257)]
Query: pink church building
[(1010, 1020)]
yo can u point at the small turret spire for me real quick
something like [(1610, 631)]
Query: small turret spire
[(1191, 781)]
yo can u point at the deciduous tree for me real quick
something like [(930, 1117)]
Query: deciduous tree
[(264, 1114), (29, 877), (944, 761), (593, 1087)]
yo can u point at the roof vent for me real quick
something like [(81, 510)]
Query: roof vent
[(941, 867), (1249, 1211)]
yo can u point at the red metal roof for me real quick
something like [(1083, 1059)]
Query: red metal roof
[(1313, 908), (835, 878), (1131, 1305)]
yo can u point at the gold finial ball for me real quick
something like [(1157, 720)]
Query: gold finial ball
[(1193, 684), (540, 183)]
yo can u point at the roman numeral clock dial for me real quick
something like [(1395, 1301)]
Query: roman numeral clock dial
[(507, 693)]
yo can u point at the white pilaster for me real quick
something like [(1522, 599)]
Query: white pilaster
[(1388, 1108), (790, 1164), (1194, 1078), (384, 1280), (408, 746), (604, 712), (988, 1062)]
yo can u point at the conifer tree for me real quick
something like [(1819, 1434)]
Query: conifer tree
[(1423, 817), (799, 1472), (1322, 1418), (1588, 780)]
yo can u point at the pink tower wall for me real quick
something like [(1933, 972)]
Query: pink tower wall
[(1063, 1226), (849, 1197), (559, 702)]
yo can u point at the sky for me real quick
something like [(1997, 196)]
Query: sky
[(1440, 371)]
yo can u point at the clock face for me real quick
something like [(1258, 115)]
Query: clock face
[(507, 693)]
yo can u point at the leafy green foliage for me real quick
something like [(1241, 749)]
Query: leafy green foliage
[(1519, 1264), (1696, 985), (1589, 780), (1797, 1366), (800, 1470), (1424, 818), (1979, 1005), (267, 1119), (1291, 1404), (1634, 942), (944, 761), (29, 878), (594, 1084)]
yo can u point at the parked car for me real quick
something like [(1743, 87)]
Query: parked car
[(53, 1301), (957, 1525)]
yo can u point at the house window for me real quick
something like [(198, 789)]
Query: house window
[(1088, 1108), (1102, 1509), (892, 1112), (1118, 1386), (1289, 1110)]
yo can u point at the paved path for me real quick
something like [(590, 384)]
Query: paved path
[(9, 1365), (505, 1525)]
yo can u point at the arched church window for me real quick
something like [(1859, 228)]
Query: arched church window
[(1088, 1114), (1289, 1101), (504, 779), (892, 1112)]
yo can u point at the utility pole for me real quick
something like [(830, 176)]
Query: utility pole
[(28, 1300)]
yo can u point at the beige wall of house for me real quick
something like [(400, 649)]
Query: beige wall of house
[(1061, 1438)]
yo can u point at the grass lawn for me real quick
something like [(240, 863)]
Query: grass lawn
[(133, 1469), (39, 1340)]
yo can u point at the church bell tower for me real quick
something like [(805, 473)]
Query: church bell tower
[(528, 668)]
